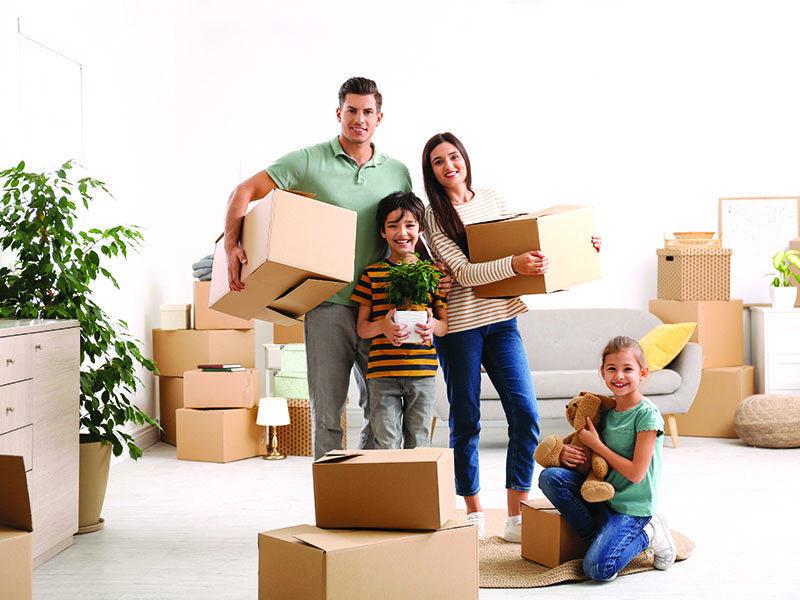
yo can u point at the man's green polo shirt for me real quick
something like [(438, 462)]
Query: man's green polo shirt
[(326, 171)]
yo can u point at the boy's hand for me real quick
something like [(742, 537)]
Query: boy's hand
[(425, 330), (394, 332), (589, 435)]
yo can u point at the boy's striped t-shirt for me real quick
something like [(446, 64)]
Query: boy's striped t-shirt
[(385, 359)]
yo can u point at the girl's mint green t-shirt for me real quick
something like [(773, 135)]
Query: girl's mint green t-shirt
[(619, 430)]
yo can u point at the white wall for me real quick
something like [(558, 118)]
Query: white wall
[(649, 110)]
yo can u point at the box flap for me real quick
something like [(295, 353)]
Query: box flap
[(299, 300), (15, 504), (541, 504), (338, 456)]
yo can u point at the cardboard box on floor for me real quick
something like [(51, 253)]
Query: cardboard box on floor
[(714, 407), (547, 537), (176, 352), (208, 318), (210, 389), (219, 435), (719, 328), (385, 489), (308, 562), (795, 245), (300, 251), (562, 233), (16, 526), (170, 399)]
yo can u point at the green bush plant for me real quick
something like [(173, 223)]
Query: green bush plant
[(409, 283)]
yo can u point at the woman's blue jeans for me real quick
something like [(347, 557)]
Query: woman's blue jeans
[(616, 538), (499, 348)]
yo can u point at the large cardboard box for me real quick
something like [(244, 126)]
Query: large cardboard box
[(299, 252), (563, 233), (16, 525), (694, 273), (219, 435), (795, 245), (714, 407), (295, 439), (207, 318), (305, 562), (719, 330), (170, 399), (385, 489), (209, 389), (547, 537), (176, 352)]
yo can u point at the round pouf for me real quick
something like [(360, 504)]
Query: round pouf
[(768, 421)]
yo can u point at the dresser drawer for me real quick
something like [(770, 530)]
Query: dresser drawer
[(19, 443), (783, 335), (15, 405), (783, 372), (15, 359)]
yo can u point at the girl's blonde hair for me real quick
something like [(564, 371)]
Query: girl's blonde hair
[(623, 342)]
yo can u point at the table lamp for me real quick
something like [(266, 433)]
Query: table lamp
[(273, 412)]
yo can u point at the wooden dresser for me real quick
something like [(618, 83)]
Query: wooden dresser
[(39, 419)]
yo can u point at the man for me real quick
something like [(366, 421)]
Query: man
[(350, 172)]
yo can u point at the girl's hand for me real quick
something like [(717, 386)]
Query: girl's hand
[(571, 456), (597, 241), (530, 263), (589, 435), (394, 332), (425, 330)]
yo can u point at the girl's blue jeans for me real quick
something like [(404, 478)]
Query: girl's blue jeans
[(499, 348), (616, 538)]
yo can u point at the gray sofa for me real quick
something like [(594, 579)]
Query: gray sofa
[(563, 348)]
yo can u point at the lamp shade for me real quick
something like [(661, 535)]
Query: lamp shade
[(273, 411)]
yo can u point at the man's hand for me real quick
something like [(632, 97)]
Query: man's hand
[(235, 258)]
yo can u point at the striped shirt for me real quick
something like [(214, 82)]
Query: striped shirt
[(465, 311), (385, 359)]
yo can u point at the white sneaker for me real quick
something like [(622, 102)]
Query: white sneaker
[(477, 519), (662, 544), (513, 532)]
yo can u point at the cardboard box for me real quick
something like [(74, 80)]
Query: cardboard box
[(547, 537), (219, 435), (385, 489), (176, 316), (694, 273), (237, 389), (295, 439), (712, 412), (16, 525), (719, 330), (563, 233), (207, 318), (292, 334), (795, 245), (299, 252), (178, 351), (170, 399), (307, 562)]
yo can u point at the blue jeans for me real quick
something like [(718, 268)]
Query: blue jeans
[(498, 347), (616, 538), (401, 411)]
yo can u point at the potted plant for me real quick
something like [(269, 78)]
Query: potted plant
[(54, 269), (782, 292), (408, 286)]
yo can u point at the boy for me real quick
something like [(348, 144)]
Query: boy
[(400, 375)]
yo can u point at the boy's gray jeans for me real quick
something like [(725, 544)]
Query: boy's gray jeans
[(333, 349)]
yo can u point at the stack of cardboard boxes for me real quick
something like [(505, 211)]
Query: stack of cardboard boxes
[(694, 286), (217, 338), (385, 529)]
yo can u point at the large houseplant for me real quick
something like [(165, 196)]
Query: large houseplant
[(408, 286), (782, 292)]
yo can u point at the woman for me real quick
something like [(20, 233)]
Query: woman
[(482, 331)]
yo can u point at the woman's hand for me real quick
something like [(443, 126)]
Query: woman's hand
[(597, 242), (530, 263), (445, 282), (571, 456), (589, 436), (425, 330), (394, 332)]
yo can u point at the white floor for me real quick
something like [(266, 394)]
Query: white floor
[(180, 530)]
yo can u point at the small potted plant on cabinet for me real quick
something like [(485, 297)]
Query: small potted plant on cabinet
[(782, 292), (54, 267), (408, 287)]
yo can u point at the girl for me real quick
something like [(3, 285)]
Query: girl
[(633, 432), (481, 331)]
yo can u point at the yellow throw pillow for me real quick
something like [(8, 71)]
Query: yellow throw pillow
[(665, 342)]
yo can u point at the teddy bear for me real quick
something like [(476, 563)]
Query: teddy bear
[(548, 452)]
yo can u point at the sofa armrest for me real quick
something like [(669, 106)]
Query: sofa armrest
[(689, 365)]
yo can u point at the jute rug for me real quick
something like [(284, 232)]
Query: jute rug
[(501, 566)]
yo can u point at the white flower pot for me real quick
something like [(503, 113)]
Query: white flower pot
[(411, 318), (783, 297)]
